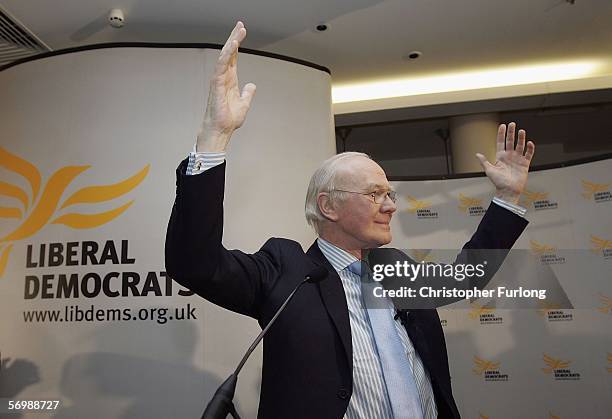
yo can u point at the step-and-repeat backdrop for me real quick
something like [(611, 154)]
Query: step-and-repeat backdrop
[(545, 361), (89, 144)]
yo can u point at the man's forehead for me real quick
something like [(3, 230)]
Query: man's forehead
[(365, 173), (372, 186)]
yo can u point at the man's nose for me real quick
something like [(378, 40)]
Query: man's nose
[(388, 206)]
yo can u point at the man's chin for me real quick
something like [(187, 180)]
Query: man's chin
[(385, 239)]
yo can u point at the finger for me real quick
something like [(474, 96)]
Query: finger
[(484, 162), (235, 39), (530, 150), (248, 91), (501, 135), (224, 59), (520, 145), (233, 35), (230, 49), (229, 52), (240, 35), (510, 136), (234, 57)]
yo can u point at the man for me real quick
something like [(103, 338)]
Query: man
[(326, 357)]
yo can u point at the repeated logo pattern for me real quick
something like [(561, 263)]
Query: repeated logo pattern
[(465, 202), (481, 365), (478, 310), (591, 188), (554, 364), (540, 249), (606, 304), (600, 246), (415, 204)]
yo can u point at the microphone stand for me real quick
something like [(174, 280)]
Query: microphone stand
[(222, 403)]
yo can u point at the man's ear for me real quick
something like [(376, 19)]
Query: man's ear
[(326, 206)]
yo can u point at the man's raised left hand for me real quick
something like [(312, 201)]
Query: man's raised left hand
[(509, 173)]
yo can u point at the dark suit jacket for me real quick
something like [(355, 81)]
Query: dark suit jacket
[(307, 355)]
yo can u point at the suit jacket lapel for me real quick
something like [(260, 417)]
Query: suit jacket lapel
[(421, 346), (334, 299)]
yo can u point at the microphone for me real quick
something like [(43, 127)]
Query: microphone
[(222, 403), (402, 315), (317, 275)]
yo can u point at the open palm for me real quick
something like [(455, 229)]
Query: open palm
[(509, 172), (227, 106)]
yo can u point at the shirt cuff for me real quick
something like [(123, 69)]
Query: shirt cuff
[(517, 209), (201, 161)]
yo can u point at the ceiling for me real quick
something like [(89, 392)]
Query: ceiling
[(366, 39)]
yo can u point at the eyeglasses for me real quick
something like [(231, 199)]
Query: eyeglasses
[(377, 196)]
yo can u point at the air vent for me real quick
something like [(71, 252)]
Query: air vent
[(16, 41)]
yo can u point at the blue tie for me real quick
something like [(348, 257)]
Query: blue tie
[(401, 387)]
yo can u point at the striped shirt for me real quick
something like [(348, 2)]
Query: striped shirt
[(370, 398)]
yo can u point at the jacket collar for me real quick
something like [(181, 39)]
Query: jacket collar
[(334, 300)]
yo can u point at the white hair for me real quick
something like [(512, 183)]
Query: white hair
[(324, 180)]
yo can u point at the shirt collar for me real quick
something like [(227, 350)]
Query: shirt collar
[(338, 258)]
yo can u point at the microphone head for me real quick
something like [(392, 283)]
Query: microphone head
[(318, 274)]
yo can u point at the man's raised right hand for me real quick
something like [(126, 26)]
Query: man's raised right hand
[(227, 107)]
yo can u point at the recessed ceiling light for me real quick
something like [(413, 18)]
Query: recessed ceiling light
[(412, 55)]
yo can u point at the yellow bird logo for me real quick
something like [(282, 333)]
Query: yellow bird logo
[(554, 364), (40, 208), (466, 202), (606, 308), (481, 365), (530, 197), (540, 249), (599, 244), (591, 188), (477, 310), (422, 255), (415, 204)]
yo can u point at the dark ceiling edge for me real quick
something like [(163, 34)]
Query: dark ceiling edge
[(481, 174), (161, 45)]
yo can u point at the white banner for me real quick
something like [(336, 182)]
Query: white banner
[(89, 146)]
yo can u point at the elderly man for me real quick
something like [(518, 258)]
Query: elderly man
[(326, 356)]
